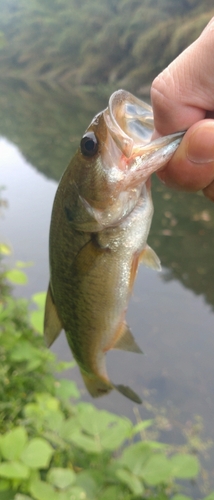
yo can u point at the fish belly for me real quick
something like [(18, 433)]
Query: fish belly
[(91, 291)]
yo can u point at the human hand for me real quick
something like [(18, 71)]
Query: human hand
[(183, 98)]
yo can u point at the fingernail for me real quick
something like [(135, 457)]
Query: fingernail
[(200, 148)]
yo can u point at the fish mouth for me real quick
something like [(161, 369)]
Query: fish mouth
[(130, 123)]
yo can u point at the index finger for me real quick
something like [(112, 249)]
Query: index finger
[(183, 93)]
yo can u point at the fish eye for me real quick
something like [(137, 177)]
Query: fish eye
[(89, 144)]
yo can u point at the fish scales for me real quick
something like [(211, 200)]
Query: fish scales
[(100, 222), (94, 307)]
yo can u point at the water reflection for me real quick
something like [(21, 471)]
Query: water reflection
[(183, 235), (171, 314), (47, 124), (24, 224)]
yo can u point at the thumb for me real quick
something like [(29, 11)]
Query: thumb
[(192, 166)]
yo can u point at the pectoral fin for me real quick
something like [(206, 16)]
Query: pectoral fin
[(134, 268), (149, 258), (52, 323), (87, 257), (129, 393), (126, 341)]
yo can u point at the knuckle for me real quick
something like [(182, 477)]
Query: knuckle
[(163, 92)]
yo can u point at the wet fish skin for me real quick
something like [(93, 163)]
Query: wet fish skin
[(100, 222)]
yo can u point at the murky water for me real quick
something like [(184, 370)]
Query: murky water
[(170, 313)]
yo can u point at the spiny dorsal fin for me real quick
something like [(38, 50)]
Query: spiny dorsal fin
[(149, 258), (129, 393), (52, 323), (126, 341)]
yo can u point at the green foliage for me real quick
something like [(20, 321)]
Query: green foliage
[(16, 276), (4, 249), (53, 447), (91, 43)]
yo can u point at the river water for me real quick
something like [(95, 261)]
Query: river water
[(170, 313)]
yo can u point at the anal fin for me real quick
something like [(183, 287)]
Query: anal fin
[(52, 323), (126, 341)]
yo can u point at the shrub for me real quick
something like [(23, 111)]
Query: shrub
[(55, 447)]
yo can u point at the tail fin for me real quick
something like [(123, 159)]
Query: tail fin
[(129, 393), (99, 387)]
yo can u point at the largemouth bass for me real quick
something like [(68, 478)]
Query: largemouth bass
[(100, 222)]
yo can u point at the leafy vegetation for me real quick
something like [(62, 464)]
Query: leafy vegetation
[(55, 447), (78, 42)]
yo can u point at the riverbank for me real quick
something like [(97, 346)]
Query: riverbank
[(56, 447)]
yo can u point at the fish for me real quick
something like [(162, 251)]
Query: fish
[(100, 222)]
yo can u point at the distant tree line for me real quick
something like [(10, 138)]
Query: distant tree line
[(88, 42)]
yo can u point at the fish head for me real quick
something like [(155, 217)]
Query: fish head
[(113, 136), (116, 157)]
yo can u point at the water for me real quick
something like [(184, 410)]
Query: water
[(170, 313)]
